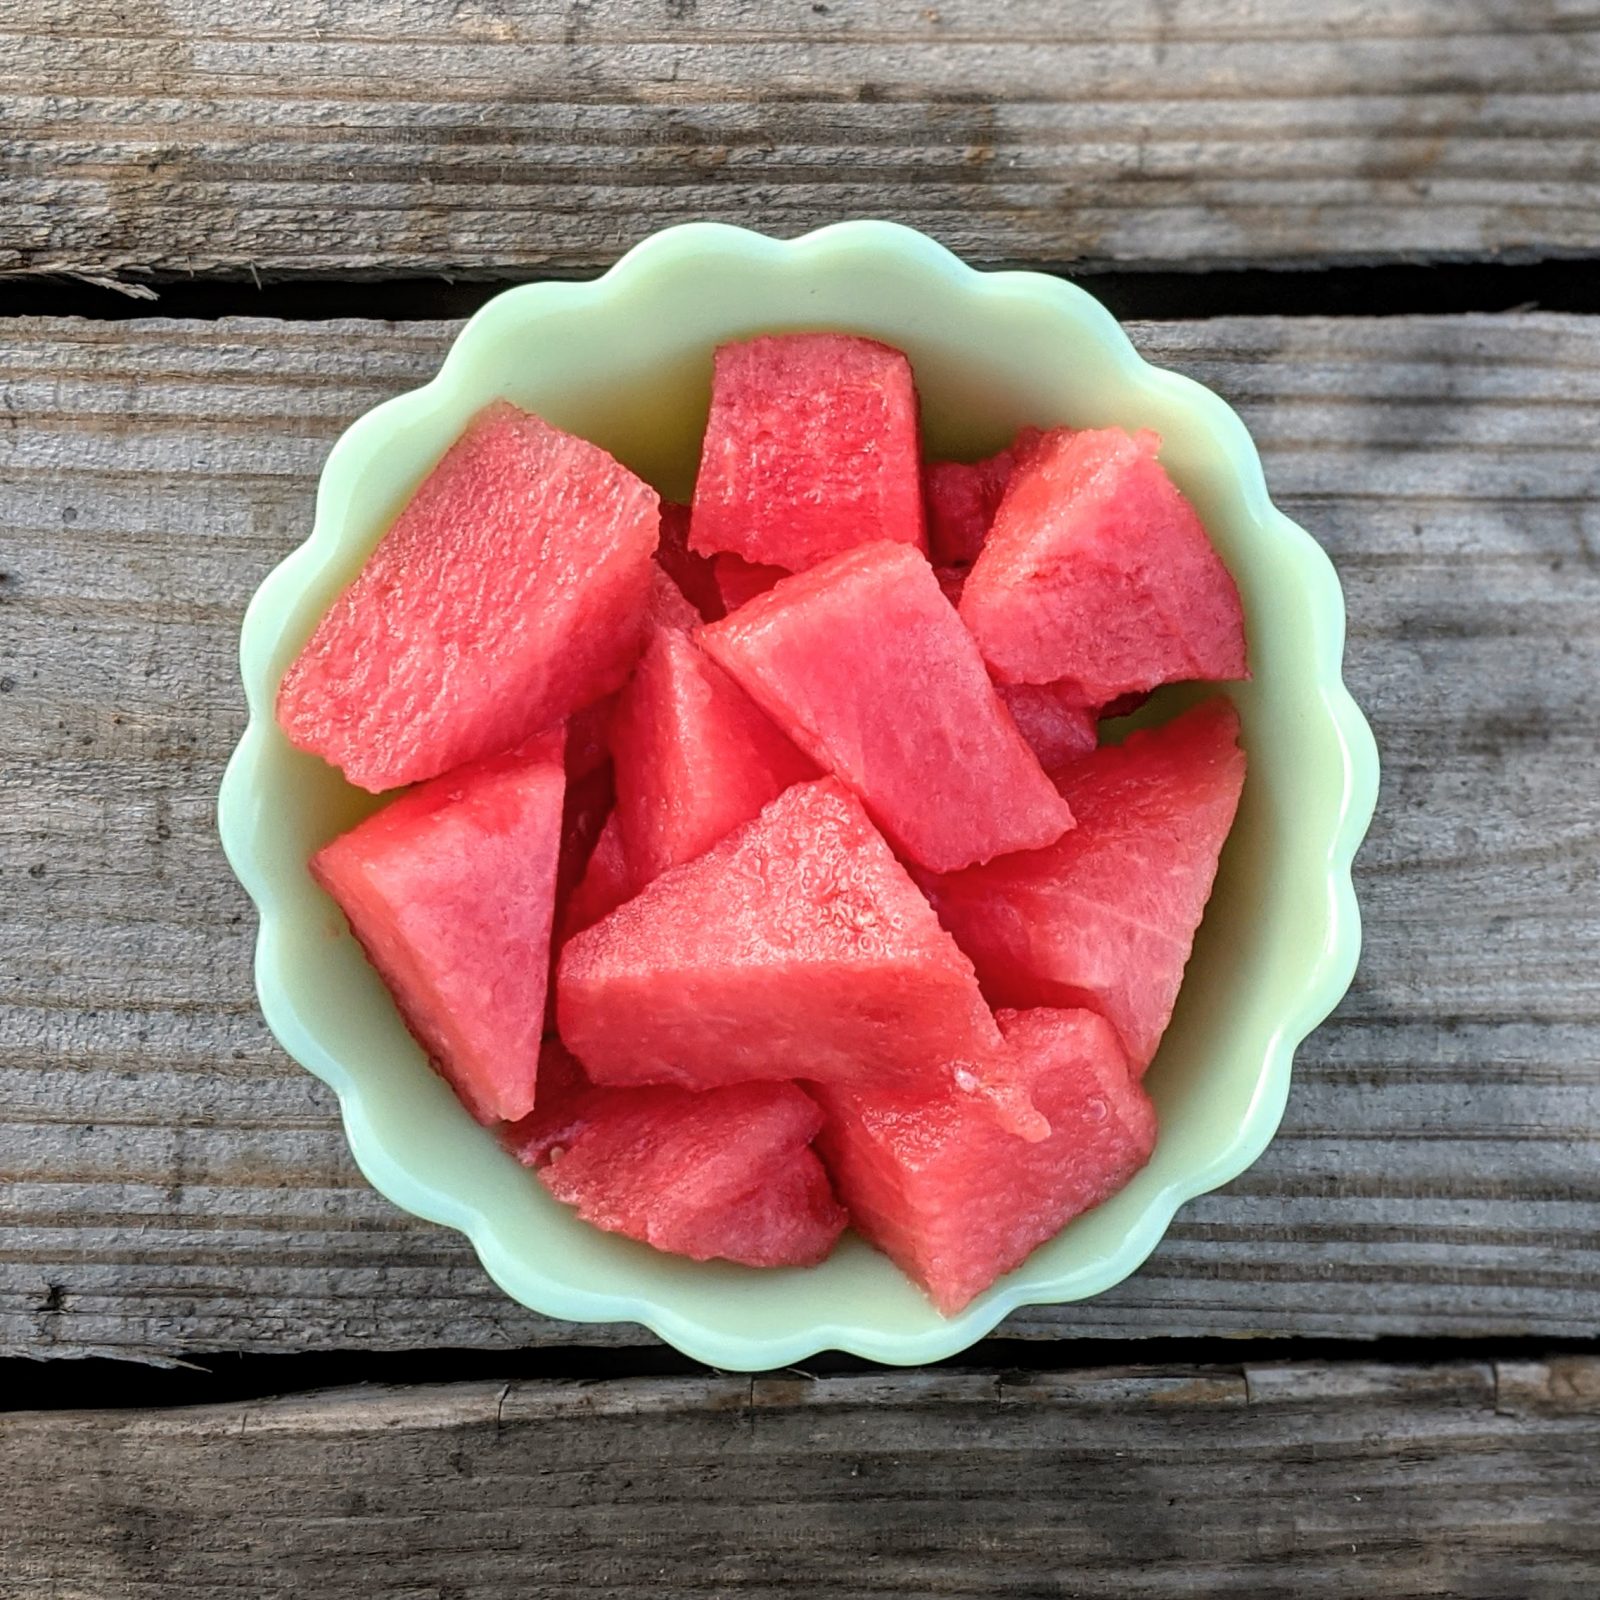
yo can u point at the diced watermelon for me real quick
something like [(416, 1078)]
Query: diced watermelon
[(694, 574), (739, 580), (952, 580), (1057, 730), (963, 496), (450, 890), (588, 803), (1106, 916), (864, 664), (956, 1202), (509, 591), (695, 757), (728, 1173), (812, 446), (797, 945), (1098, 571), (606, 882)]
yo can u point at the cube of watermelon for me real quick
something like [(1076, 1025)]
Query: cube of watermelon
[(739, 580), (1098, 571), (728, 1173), (954, 1201), (797, 944), (962, 497), (1106, 916), (694, 574), (510, 590), (866, 667), (694, 755), (450, 891), (812, 446)]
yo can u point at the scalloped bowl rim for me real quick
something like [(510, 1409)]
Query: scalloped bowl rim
[(699, 1336)]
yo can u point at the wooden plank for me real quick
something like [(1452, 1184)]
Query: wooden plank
[(170, 1183), (1312, 1481), (430, 136)]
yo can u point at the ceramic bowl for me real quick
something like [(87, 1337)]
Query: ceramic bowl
[(625, 360)]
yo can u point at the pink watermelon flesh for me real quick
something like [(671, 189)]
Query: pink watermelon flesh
[(963, 496), (669, 606), (866, 667), (739, 580), (812, 446), (450, 891), (1097, 571), (727, 1173), (509, 591), (606, 882), (695, 757), (953, 1200), (797, 944), (694, 574), (1106, 917), (1057, 730)]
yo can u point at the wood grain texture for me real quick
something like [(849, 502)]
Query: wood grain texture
[(1476, 1482), (170, 1183), (507, 136)]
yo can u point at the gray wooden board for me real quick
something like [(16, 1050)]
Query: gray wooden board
[(170, 1183), (342, 137), (1472, 1481)]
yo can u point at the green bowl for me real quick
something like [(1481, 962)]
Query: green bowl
[(626, 361)]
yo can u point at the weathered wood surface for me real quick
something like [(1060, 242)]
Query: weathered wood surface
[(346, 137), (169, 1182), (1376, 1482)]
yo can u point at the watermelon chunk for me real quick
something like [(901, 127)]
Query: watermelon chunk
[(954, 1201), (963, 496), (728, 1173), (864, 664), (812, 446), (1057, 729), (797, 945), (508, 592), (694, 755), (739, 580), (1098, 571), (450, 890), (1106, 916), (694, 574)]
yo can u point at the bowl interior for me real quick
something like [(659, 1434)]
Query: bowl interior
[(626, 361)]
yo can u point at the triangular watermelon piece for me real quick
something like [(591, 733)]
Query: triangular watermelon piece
[(954, 1201), (963, 496), (726, 1174), (450, 890), (866, 667), (796, 945), (1106, 916), (509, 591), (812, 446), (694, 755), (1097, 571), (694, 574)]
